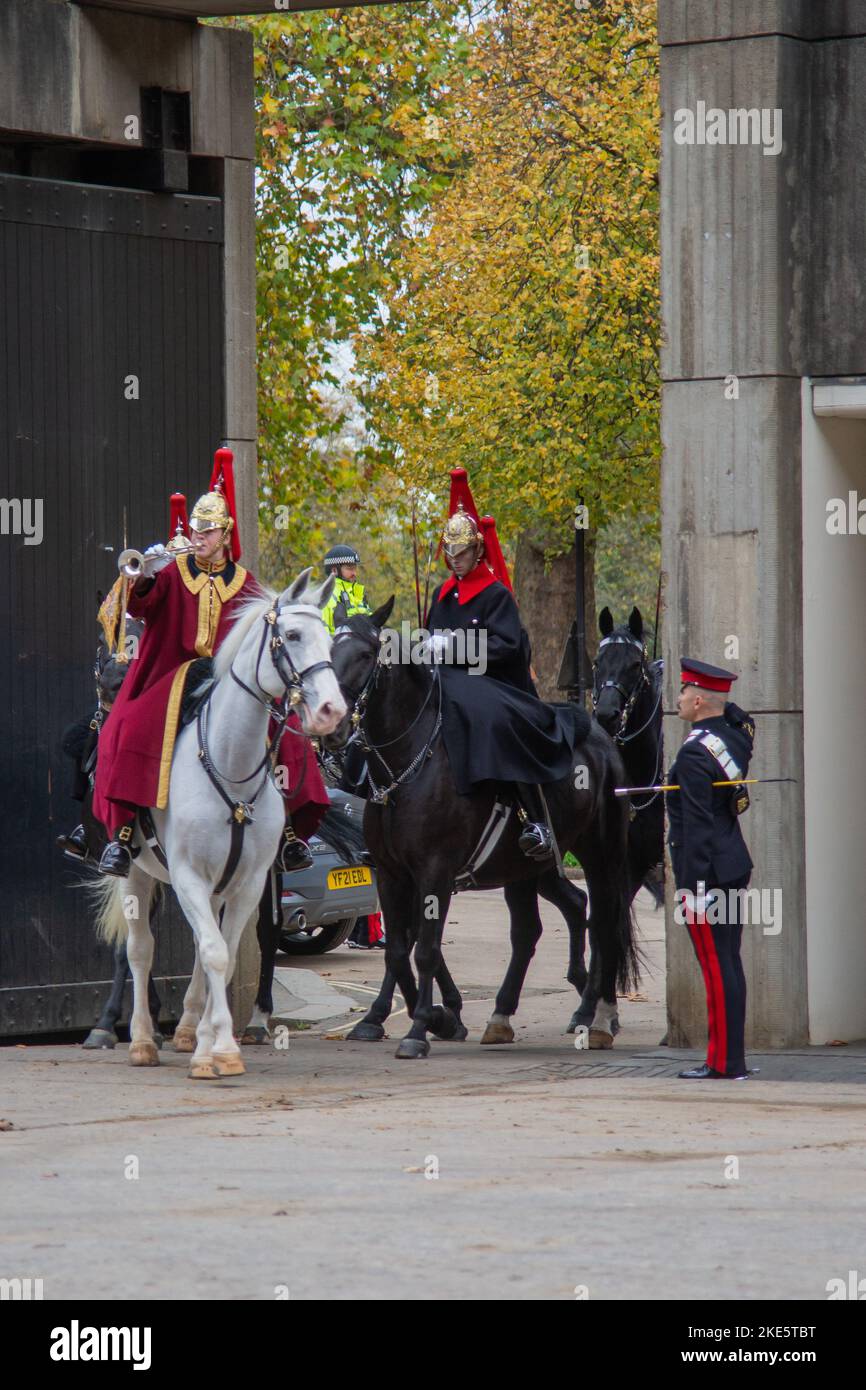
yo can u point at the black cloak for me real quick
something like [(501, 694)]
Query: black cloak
[(494, 725)]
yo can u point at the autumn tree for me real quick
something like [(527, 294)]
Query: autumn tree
[(522, 338)]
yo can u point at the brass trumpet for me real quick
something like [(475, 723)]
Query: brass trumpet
[(131, 562)]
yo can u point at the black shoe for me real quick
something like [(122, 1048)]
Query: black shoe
[(708, 1073), (535, 840), (295, 854), (116, 859), (74, 845)]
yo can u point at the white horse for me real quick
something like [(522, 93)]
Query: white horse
[(277, 647)]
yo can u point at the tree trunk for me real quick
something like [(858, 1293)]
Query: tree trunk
[(547, 605)]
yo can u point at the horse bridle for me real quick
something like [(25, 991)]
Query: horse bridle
[(630, 698), (379, 795), (279, 710)]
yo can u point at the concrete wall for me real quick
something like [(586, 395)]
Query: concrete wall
[(763, 275)]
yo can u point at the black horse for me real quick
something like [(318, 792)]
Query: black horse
[(422, 835), (627, 702)]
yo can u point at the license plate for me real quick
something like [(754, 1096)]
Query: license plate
[(349, 878)]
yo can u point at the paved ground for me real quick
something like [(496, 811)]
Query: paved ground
[(561, 1174)]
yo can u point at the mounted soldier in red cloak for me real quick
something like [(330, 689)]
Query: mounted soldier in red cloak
[(187, 600)]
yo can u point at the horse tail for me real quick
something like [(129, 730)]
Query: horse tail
[(109, 897), (342, 833), (112, 925)]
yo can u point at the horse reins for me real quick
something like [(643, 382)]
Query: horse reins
[(379, 795), (279, 710)]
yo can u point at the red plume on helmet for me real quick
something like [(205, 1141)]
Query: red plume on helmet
[(178, 524), (222, 479), (493, 552), (462, 492)]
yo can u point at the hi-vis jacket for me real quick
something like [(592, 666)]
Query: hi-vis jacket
[(352, 595)]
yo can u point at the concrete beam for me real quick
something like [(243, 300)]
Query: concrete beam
[(707, 21), (77, 74)]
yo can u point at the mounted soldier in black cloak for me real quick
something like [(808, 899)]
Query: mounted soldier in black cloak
[(496, 729)]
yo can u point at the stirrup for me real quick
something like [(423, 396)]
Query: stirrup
[(535, 840), (116, 858), (294, 853), (74, 845)]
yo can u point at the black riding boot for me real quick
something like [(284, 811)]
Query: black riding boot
[(294, 853), (74, 845), (535, 840), (117, 855)]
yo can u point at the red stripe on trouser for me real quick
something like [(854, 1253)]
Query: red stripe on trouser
[(717, 1050)]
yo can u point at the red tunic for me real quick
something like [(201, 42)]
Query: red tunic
[(187, 615)]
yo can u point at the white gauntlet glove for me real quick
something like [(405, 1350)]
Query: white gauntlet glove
[(440, 646), (156, 557)]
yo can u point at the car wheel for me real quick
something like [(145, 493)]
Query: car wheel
[(317, 940)]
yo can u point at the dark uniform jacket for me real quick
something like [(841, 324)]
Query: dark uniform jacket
[(704, 835), (494, 725)]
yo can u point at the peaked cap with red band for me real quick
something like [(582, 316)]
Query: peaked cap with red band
[(222, 480), (705, 677)]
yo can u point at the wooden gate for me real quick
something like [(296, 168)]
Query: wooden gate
[(111, 398)]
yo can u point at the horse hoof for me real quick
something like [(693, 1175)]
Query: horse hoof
[(577, 1022), (158, 1040), (143, 1054), (413, 1047), (228, 1064), (498, 1033), (446, 1026), (100, 1037), (203, 1069), (184, 1040), (598, 1039), (255, 1037), (366, 1032)]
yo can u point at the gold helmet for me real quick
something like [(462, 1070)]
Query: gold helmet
[(211, 512), (460, 532)]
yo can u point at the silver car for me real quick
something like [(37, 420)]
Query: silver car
[(321, 905)]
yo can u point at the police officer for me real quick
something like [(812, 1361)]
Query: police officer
[(709, 855), (342, 561)]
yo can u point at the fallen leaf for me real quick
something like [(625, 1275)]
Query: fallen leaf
[(6, 1124), (837, 1042)]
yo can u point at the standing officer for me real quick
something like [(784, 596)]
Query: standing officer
[(709, 854)]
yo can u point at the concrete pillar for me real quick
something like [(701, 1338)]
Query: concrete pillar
[(763, 275)]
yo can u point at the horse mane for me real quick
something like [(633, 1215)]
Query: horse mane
[(249, 612)]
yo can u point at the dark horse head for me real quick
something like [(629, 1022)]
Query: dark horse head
[(356, 664), (620, 673), (111, 667)]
